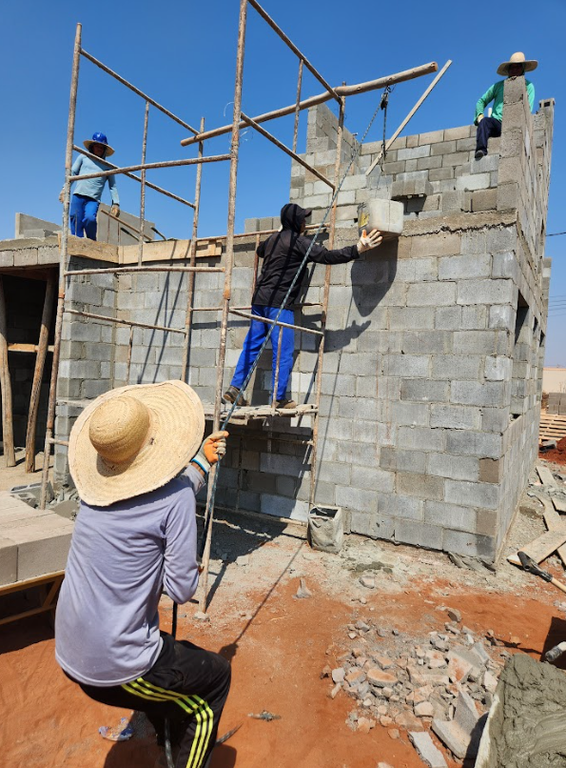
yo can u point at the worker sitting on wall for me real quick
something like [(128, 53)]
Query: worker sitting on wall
[(491, 126), (88, 193), (132, 458), (282, 254)]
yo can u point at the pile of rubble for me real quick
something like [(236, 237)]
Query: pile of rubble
[(444, 681)]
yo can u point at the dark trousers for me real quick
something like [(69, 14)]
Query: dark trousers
[(487, 127), (188, 686), (83, 216)]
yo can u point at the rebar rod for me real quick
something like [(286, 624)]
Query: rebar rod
[(133, 88), (234, 153), (343, 90), (192, 261), (294, 48), (142, 195), (280, 145), (62, 268), (150, 166), (149, 184)]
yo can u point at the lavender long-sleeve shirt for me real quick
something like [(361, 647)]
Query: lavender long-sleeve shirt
[(122, 557)]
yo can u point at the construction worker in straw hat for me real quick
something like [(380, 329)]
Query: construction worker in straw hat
[(135, 459), (491, 126), (88, 193)]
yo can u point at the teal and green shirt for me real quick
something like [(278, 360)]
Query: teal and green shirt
[(495, 94)]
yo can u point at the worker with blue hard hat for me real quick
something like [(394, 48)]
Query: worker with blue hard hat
[(88, 193)]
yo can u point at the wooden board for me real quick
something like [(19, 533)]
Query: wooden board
[(555, 523), (546, 476), (552, 427), (541, 548)]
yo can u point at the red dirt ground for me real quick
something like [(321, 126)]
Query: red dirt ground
[(277, 654), (556, 455)]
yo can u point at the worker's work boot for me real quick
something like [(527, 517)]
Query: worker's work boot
[(285, 404), (231, 395), (480, 153)]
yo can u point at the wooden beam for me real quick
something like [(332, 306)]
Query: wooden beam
[(27, 347), (6, 384), (42, 350)]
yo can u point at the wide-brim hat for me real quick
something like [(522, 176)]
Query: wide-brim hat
[(88, 142), (134, 439), (517, 58)]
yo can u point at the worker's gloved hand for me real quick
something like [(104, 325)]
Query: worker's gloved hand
[(367, 242), (479, 119), (62, 196), (211, 451), (115, 210)]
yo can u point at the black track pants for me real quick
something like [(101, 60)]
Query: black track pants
[(188, 686)]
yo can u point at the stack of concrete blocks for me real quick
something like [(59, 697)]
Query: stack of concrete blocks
[(430, 404), (32, 543), (556, 403)]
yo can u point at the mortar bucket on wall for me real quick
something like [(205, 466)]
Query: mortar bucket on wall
[(326, 529)]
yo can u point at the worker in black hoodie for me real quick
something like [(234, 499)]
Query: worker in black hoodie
[(282, 254)]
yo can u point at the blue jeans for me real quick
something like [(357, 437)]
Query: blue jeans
[(83, 216), (255, 338), (487, 127)]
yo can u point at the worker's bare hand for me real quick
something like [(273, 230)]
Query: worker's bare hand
[(115, 210), (480, 118), (214, 447), (368, 242), (62, 196)]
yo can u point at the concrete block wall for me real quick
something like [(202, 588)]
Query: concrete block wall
[(430, 398)]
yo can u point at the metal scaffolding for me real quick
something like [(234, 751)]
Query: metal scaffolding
[(225, 310)]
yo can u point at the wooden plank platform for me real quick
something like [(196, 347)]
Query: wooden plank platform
[(552, 426), (49, 586), (247, 413)]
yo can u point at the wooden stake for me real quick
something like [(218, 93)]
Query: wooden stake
[(38, 374), (6, 385)]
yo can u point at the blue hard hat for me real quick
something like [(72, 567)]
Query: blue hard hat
[(99, 138)]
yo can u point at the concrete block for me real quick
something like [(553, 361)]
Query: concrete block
[(443, 148), (431, 294), (481, 444), (450, 515), (474, 317), (485, 495), (400, 460), (478, 393), (420, 485), (498, 368), (457, 733), (484, 200), (473, 181), (486, 292), (455, 417), (8, 561), (369, 479), (424, 390), (415, 342), (406, 365), (456, 159), (480, 342), (43, 545), (418, 534), (283, 507), (491, 470), (464, 267), (409, 154), (421, 438), (409, 414), (385, 215), (501, 317), (411, 318)]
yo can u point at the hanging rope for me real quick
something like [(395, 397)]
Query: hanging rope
[(383, 104)]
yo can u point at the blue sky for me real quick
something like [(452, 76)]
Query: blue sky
[(183, 55)]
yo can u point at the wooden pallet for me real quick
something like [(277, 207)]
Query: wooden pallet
[(552, 427)]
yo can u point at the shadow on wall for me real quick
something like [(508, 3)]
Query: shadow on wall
[(373, 276)]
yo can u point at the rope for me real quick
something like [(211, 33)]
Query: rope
[(355, 154)]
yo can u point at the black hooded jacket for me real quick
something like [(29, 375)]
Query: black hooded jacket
[(282, 254)]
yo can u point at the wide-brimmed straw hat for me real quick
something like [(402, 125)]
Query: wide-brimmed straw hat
[(99, 138), (133, 440), (517, 58)]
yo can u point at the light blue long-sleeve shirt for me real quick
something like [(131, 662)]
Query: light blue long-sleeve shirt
[(93, 187), (495, 94), (122, 557)]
